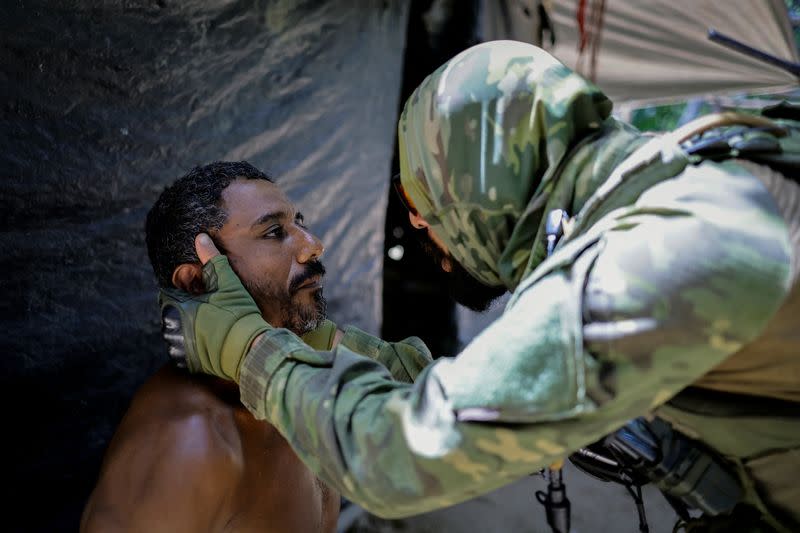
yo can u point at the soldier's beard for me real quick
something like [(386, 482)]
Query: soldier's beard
[(463, 288)]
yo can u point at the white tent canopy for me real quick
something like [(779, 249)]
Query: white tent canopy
[(658, 50)]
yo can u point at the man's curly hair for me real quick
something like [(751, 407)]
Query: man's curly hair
[(190, 206)]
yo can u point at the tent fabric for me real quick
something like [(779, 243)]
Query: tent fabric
[(658, 50), (517, 20), (105, 104)]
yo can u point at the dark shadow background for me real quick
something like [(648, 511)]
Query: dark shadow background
[(415, 299), (103, 104)]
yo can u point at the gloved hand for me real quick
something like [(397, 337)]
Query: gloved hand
[(211, 332)]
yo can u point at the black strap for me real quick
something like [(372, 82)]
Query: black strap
[(784, 109), (756, 144), (703, 401)]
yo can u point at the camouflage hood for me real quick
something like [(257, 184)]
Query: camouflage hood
[(480, 141)]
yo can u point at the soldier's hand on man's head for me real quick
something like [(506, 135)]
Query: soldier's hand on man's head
[(205, 248), (211, 332)]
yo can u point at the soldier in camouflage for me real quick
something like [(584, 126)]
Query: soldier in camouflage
[(674, 270)]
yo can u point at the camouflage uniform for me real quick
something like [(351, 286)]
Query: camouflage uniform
[(668, 269)]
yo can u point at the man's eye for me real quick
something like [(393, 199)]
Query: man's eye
[(275, 232)]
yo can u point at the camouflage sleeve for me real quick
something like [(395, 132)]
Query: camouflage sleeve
[(397, 449), (404, 359), (613, 324)]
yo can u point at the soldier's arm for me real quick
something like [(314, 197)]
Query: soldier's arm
[(610, 327), (404, 359), (173, 477)]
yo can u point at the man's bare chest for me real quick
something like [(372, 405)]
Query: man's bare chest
[(277, 492)]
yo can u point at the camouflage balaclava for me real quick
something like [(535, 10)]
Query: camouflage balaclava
[(479, 142)]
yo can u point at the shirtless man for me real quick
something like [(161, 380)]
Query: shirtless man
[(187, 456)]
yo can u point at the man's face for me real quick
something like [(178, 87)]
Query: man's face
[(463, 288), (273, 254)]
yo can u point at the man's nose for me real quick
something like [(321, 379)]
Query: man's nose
[(311, 248)]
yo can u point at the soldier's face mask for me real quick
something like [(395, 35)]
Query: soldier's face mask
[(461, 285)]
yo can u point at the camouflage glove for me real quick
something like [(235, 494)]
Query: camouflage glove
[(211, 332)]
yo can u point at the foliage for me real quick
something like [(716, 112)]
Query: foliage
[(658, 118)]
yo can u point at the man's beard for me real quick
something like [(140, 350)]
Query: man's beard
[(461, 285), (299, 318)]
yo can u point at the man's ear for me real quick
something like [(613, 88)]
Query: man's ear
[(446, 264), (189, 277)]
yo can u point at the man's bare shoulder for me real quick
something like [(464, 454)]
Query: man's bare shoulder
[(176, 454), (178, 413)]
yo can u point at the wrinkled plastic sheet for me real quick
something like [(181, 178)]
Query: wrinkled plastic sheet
[(104, 104)]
